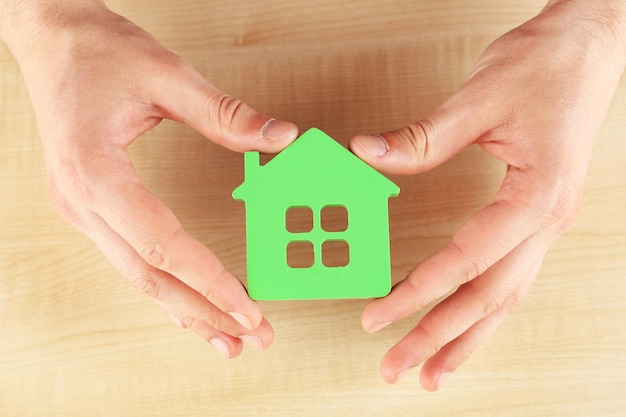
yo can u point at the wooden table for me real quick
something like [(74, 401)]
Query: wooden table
[(77, 340)]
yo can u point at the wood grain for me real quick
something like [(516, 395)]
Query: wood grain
[(77, 340)]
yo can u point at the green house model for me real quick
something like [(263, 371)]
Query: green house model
[(317, 224)]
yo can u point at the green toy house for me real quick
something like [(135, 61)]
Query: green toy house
[(316, 223)]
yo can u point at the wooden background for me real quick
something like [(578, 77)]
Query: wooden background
[(77, 340)]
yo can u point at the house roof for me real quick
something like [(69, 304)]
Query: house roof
[(314, 162)]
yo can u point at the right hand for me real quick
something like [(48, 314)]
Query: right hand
[(536, 100), (97, 81)]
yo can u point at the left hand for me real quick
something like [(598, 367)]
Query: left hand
[(536, 99), (98, 81)]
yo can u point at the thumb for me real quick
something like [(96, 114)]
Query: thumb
[(429, 142), (186, 97)]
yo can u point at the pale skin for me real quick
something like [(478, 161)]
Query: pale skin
[(97, 82), (536, 99)]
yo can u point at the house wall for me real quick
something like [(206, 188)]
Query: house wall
[(367, 274)]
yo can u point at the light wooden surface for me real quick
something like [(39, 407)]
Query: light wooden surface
[(77, 340)]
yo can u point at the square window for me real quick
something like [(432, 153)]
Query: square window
[(300, 254), (299, 219), (334, 218), (335, 253)]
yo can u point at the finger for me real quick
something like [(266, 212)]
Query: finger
[(185, 96), (504, 284), (261, 338), (190, 307), (482, 241), (443, 363), (161, 285), (438, 369), (157, 236), (227, 345), (425, 144), (232, 346)]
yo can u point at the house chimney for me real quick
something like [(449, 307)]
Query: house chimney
[(251, 162)]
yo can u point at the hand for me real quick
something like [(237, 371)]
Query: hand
[(536, 100), (97, 81)]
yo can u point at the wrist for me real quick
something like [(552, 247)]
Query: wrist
[(25, 24), (603, 18)]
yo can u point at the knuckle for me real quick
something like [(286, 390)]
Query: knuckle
[(496, 299), (188, 322), (156, 249), (168, 63), (418, 135), (73, 181), (566, 214), (172, 62), (433, 340), (561, 209), (213, 321), (514, 301), (148, 283), (224, 110), (491, 304), (69, 158), (156, 255), (471, 267), (208, 292), (64, 208), (412, 287)]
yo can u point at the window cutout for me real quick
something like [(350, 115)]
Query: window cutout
[(335, 253), (334, 218), (300, 254), (299, 219)]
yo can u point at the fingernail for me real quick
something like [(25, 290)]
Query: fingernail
[(402, 375), (178, 322), (379, 326), (278, 130), (253, 341), (221, 346), (241, 319), (374, 145), (442, 379)]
